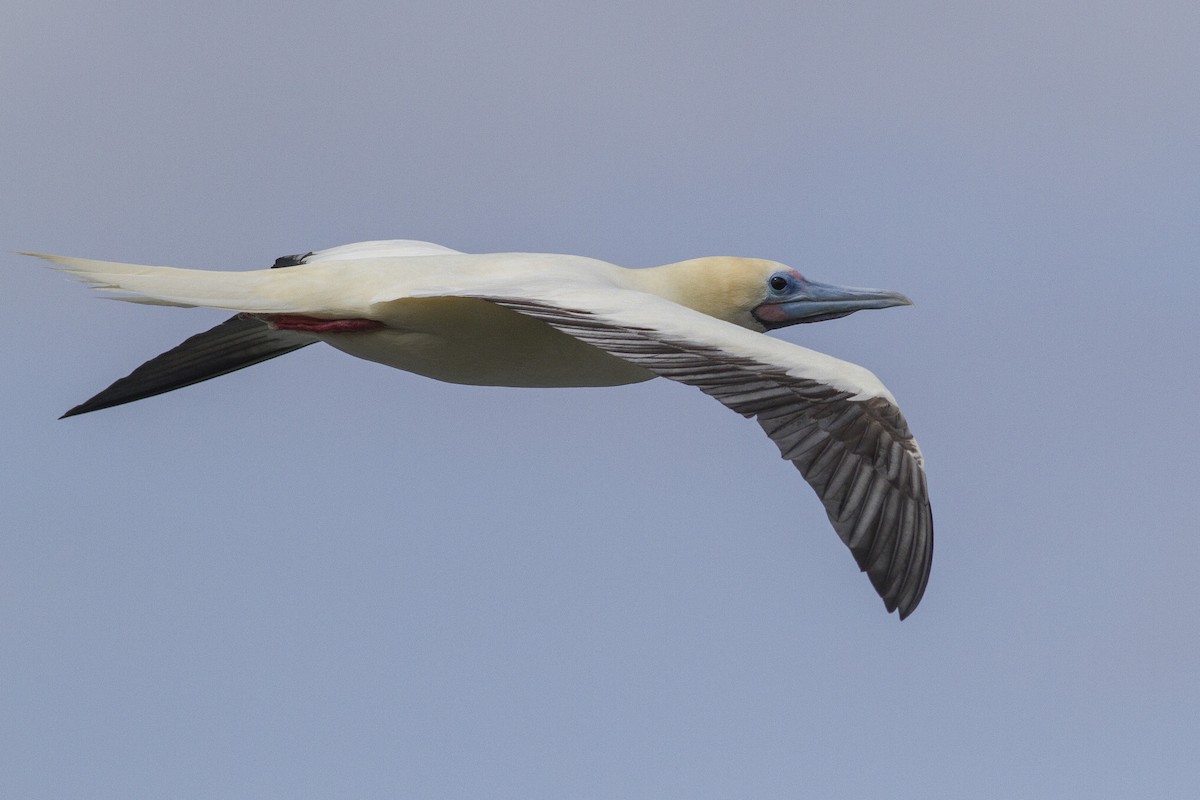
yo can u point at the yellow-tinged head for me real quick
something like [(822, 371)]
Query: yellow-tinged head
[(759, 294)]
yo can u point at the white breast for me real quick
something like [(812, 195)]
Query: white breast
[(461, 340)]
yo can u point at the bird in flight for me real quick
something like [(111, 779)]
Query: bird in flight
[(543, 320)]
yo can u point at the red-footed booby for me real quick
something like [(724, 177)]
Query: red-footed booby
[(540, 320)]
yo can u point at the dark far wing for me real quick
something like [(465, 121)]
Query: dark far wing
[(236, 343)]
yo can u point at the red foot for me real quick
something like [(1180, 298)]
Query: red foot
[(296, 322)]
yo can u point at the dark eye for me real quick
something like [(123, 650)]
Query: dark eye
[(778, 283)]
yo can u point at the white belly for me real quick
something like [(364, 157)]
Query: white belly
[(460, 340)]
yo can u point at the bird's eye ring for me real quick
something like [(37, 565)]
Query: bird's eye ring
[(778, 283)]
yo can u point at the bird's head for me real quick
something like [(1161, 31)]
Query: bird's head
[(765, 295), (790, 298)]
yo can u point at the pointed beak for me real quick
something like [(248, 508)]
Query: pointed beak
[(815, 302)]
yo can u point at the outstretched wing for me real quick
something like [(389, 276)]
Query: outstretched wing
[(833, 420), (234, 344)]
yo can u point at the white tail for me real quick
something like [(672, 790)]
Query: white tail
[(260, 291), (344, 289)]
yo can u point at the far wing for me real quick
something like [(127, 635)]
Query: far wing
[(833, 420), (234, 344)]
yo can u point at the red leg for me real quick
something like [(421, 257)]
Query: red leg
[(297, 322)]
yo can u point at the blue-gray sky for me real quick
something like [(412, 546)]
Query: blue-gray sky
[(323, 578)]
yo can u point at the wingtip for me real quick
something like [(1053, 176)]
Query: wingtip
[(82, 408), (907, 605)]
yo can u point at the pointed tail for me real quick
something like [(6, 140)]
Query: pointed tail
[(258, 291)]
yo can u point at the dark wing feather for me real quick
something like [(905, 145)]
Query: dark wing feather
[(857, 454), (236, 343)]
